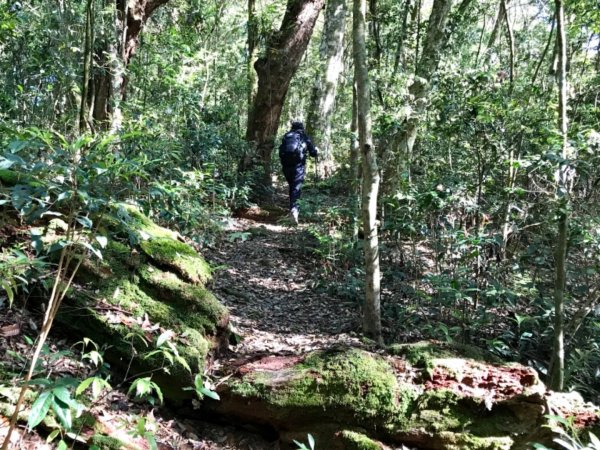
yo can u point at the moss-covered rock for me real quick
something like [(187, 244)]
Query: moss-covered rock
[(352, 384), (423, 354), (128, 301), (328, 391), (161, 245), (352, 440), (107, 442), (178, 256)]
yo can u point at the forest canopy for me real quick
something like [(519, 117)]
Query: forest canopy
[(456, 195)]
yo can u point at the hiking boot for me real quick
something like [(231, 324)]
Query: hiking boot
[(294, 214)]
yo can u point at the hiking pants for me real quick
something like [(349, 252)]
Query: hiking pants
[(295, 177)]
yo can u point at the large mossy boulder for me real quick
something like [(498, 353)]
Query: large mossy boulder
[(148, 284), (351, 398)]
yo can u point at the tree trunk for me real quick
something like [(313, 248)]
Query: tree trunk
[(497, 25), (399, 54), (323, 95), (87, 65), (355, 167), (401, 150), (511, 42), (252, 54), (111, 80), (371, 310), (275, 71), (557, 367)]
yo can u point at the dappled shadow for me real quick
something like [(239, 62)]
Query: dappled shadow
[(269, 281)]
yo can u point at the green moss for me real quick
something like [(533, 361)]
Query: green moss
[(118, 295), (422, 354), (440, 410), (141, 224), (10, 178), (87, 419), (160, 244), (249, 389), (419, 355), (462, 422), (462, 441), (131, 301), (198, 307), (106, 442), (179, 256), (351, 382), (358, 441)]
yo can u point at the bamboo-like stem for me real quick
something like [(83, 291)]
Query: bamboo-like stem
[(557, 368), (38, 350)]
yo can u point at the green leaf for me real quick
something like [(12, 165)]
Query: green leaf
[(102, 240), (164, 337), (63, 394), (5, 164), (94, 250), (86, 222), (210, 394), (63, 412), (198, 382), (62, 445), (40, 382), (311, 441), (39, 409), (84, 385), (52, 436), (141, 386), (58, 246), (151, 440), (9, 292), (98, 385), (141, 426), (158, 392)]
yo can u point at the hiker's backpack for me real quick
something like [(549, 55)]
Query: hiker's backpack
[(291, 150)]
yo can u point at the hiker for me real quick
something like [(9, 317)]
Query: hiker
[(293, 154)]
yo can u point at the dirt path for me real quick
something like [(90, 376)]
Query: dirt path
[(270, 282)]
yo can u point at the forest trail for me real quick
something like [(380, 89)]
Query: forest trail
[(269, 279)]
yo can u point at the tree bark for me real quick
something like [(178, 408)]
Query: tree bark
[(355, 167), (557, 367), (371, 309), (511, 42), (400, 152), (275, 70), (400, 46), (500, 17), (323, 95), (87, 64), (111, 80), (545, 52), (252, 54)]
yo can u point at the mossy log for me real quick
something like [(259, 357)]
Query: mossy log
[(142, 290), (352, 399)]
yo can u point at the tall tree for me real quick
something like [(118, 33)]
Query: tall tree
[(370, 186), (564, 175), (252, 53), (108, 86), (331, 53), (275, 70), (435, 38), (500, 18), (87, 64)]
